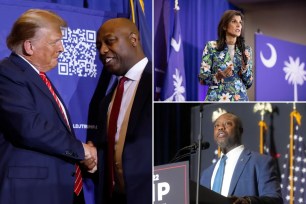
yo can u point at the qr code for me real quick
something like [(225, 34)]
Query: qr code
[(79, 56)]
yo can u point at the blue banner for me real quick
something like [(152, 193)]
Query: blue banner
[(79, 69), (280, 73)]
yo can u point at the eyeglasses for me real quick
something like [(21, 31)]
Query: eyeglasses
[(225, 124)]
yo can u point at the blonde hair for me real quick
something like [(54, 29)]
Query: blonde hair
[(27, 25)]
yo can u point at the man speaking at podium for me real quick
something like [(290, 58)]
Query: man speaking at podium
[(244, 176)]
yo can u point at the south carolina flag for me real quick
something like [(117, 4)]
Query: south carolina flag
[(174, 84), (280, 70)]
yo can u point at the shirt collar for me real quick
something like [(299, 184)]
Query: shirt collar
[(235, 151), (135, 72), (28, 63)]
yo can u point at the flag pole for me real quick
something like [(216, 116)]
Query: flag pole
[(219, 152), (291, 157), (132, 11), (262, 108), (262, 129), (293, 115), (216, 114)]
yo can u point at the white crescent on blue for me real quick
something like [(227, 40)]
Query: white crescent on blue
[(269, 63)]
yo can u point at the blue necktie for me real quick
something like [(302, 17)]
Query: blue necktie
[(219, 175)]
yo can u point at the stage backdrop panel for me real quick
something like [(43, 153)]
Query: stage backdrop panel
[(280, 73), (79, 68)]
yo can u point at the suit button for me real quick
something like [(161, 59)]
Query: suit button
[(67, 152), (75, 155)]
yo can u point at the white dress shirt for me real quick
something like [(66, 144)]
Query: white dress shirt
[(134, 75), (231, 161)]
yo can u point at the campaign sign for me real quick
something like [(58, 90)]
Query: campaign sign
[(171, 183)]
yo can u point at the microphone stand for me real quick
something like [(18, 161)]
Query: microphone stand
[(199, 154)]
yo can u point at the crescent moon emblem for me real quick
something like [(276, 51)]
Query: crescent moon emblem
[(269, 63), (176, 45)]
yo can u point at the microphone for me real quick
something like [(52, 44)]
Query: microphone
[(204, 145), (191, 150)]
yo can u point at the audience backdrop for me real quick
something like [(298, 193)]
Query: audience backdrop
[(79, 77), (178, 125)]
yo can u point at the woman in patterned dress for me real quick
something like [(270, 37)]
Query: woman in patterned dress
[(226, 65)]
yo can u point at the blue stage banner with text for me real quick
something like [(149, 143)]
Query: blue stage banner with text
[(280, 70), (79, 68)]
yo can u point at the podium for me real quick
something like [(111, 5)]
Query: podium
[(171, 185), (206, 196)]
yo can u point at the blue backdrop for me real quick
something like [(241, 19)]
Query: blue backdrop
[(79, 77), (280, 70), (199, 21)]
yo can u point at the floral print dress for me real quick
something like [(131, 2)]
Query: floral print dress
[(233, 88)]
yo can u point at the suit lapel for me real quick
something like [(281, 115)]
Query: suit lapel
[(237, 57), (33, 76), (70, 128), (143, 96), (242, 161), (104, 110), (208, 176)]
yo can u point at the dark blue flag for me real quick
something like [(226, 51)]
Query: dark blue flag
[(174, 88), (138, 17), (297, 154)]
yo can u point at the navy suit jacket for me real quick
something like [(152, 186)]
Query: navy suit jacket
[(137, 152), (255, 175), (38, 151)]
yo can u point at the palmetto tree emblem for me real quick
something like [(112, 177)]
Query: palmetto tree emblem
[(179, 89), (295, 74)]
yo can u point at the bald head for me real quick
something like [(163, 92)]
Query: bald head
[(119, 45), (123, 24)]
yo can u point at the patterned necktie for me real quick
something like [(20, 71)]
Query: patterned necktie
[(219, 175), (78, 184), (112, 129), (48, 83)]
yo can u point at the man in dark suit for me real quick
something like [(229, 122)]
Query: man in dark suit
[(126, 178), (247, 177), (40, 153)]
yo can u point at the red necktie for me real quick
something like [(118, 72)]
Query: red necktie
[(78, 184), (112, 129)]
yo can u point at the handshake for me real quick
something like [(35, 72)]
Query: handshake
[(91, 159)]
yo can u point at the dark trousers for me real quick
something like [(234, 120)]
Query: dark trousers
[(78, 199), (118, 198)]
